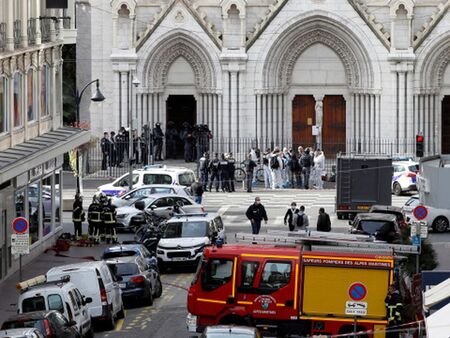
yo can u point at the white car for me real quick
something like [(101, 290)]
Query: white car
[(94, 280), (149, 190), (437, 219), (185, 236), (161, 204), (404, 177), (149, 175), (21, 333)]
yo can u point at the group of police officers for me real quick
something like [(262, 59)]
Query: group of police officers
[(101, 217), (219, 172)]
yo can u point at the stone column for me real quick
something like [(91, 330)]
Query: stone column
[(124, 98), (52, 26), (24, 26), (10, 25), (233, 102), (319, 118), (115, 22)]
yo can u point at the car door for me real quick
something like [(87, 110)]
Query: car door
[(77, 316), (145, 270), (113, 285), (85, 318), (161, 207)]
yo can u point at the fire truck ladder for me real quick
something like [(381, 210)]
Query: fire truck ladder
[(326, 240)]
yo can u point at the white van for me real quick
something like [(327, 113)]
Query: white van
[(94, 280), (37, 294)]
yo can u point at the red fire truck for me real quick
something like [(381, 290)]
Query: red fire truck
[(291, 289)]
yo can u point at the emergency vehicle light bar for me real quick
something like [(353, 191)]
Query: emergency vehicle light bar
[(40, 281), (325, 239)]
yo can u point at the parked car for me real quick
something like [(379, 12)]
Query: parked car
[(398, 212), (50, 323), (161, 204), (137, 279), (383, 227), (225, 331), (61, 295), (185, 236), (149, 190), (404, 177), (94, 280), (157, 174), (437, 219), (128, 250), (21, 333)]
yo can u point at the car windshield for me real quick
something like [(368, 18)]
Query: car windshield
[(147, 201), (186, 229), (122, 253), (372, 227), (125, 269), (398, 215), (157, 179), (29, 323), (413, 202), (414, 168)]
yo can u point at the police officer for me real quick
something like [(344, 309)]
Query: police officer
[(204, 170), (110, 221), (158, 137), (77, 215), (231, 169), (214, 170), (223, 172), (94, 219), (394, 306)]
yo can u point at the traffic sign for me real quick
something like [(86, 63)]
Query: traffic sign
[(356, 308), (420, 212), (357, 291), (20, 225), (20, 244)]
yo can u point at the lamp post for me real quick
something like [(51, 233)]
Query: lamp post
[(97, 97), (136, 84)]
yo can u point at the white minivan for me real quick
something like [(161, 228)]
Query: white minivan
[(94, 280), (37, 294)]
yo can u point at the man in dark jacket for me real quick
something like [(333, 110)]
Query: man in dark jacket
[(306, 162), (394, 307), (291, 216), (105, 144), (250, 166), (256, 213), (197, 191), (77, 215), (158, 137), (323, 221)]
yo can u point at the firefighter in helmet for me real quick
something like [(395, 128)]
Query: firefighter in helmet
[(109, 220), (77, 215), (394, 306), (94, 219)]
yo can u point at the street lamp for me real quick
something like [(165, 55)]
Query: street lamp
[(136, 84), (97, 97)]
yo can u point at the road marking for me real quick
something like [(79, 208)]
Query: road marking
[(223, 209), (120, 322)]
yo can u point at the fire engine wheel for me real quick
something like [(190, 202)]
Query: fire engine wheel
[(397, 189), (440, 224)]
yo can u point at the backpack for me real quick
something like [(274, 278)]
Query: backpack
[(274, 164), (300, 221), (306, 161)]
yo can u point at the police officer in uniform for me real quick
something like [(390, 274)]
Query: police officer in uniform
[(94, 219), (214, 170), (158, 137), (223, 172), (110, 221), (77, 215), (231, 169), (204, 170)]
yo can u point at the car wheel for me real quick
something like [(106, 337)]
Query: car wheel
[(397, 189), (90, 333), (159, 288), (121, 313), (149, 300), (440, 224)]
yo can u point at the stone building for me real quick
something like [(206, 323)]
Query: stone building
[(360, 71), (32, 137)]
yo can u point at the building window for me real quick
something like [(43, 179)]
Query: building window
[(45, 90), (47, 205), (20, 203), (34, 203), (3, 105), (17, 99), (58, 198), (31, 106)]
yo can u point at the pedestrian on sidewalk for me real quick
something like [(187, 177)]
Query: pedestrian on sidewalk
[(303, 219), (266, 169), (306, 162), (291, 216), (323, 221), (256, 213), (250, 166), (197, 191), (77, 215)]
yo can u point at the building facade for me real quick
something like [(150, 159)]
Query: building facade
[(32, 137), (344, 74)]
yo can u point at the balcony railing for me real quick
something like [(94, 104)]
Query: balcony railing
[(45, 29), (17, 31), (2, 36), (31, 32)]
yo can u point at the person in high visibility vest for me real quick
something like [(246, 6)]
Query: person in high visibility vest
[(394, 306), (109, 221), (77, 215), (94, 219)]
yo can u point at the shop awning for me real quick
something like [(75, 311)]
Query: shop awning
[(27, 155)]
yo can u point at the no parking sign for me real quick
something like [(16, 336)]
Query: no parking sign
[(20, 240)]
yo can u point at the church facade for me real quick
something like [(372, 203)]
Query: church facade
[(344, 74)]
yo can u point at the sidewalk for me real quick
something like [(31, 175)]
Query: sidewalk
[(39, 266)]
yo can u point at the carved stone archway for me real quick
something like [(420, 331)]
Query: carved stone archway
[(434, 63)]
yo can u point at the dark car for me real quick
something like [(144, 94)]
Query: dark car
[(391, 210), (49, 323), (129, 250), (137, 280), (383, 227)]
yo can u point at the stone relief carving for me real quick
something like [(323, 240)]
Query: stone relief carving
[(439, 67), (179, 17)]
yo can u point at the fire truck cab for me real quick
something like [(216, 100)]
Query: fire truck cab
[(290, 290)]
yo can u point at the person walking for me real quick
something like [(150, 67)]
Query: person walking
[(197, 191), (113, 150), (105, 145), (204, 170), (276, 165), (319, 167), (256, 213), (158, 137), (223, 174), (77, 215), (250, 166), (303, 219), (293, 167), (231, 169), (306, 162), (394, 307), (266, 169), (291, 216), (214, 170), (323, 221)]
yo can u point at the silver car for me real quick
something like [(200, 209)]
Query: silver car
[(21, 333)]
